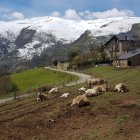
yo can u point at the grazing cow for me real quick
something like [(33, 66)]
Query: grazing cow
[(80, 101), (65, 95), (96, 81), (102, 88), (41, 96), (82, 90), (121, 87), (53, 90), (92, 92)]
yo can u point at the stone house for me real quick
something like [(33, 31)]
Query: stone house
[(121, 44), (63, 63), (63, 66), (129, 59), (123, 49)]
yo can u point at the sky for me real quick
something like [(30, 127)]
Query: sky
[(68, 9)]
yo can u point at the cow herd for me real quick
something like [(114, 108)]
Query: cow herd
[(97, 86)]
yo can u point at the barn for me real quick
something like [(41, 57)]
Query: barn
[(129, 59)]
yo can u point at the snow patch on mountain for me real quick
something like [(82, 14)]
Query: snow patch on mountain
[(116, 26), (68, 30), (49, 30), (27, 50)]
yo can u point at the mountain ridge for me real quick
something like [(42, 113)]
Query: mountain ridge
[(28, 37)]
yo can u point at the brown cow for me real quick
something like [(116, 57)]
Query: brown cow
[(80, 101), (41, 96), (96, 81)]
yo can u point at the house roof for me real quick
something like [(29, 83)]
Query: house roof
[(124, 36), (129, 54)]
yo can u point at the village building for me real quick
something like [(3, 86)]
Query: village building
[(129, 59), (63, 63), (121, 44), (122, 49), (63, 66)]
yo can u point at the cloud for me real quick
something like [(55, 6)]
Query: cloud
[(55, 14), (71, 14), (113, 13), (4, 10), (106, 14), (87, 14), (14, 16), (8, 14), (17, 15)]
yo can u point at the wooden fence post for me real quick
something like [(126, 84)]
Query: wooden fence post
[(63, 84), (15, 95)]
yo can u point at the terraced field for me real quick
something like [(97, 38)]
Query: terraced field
[(111, 116)]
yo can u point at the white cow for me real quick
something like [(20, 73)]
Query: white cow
[(92, 92), (82, 90), (121, 87), (53, 90), (65, 95), (102, 88)]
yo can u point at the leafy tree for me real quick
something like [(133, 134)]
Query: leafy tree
[(55, 62), (73, 54), (76, 62), (103, 56)]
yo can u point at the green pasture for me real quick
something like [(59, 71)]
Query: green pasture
[(34, 78)]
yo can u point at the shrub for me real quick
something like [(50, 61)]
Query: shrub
[(6, 85)]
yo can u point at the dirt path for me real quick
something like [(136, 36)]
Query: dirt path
[(82, 79), (12, 98)]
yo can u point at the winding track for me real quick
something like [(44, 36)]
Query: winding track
[(82, 79)]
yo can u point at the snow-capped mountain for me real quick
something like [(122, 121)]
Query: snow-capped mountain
[(33, 35)]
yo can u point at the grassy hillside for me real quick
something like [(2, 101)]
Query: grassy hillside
[(36, 77), (110, 116), (130, 76)]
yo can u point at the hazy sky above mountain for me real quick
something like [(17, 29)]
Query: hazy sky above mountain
[(68, 9)]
